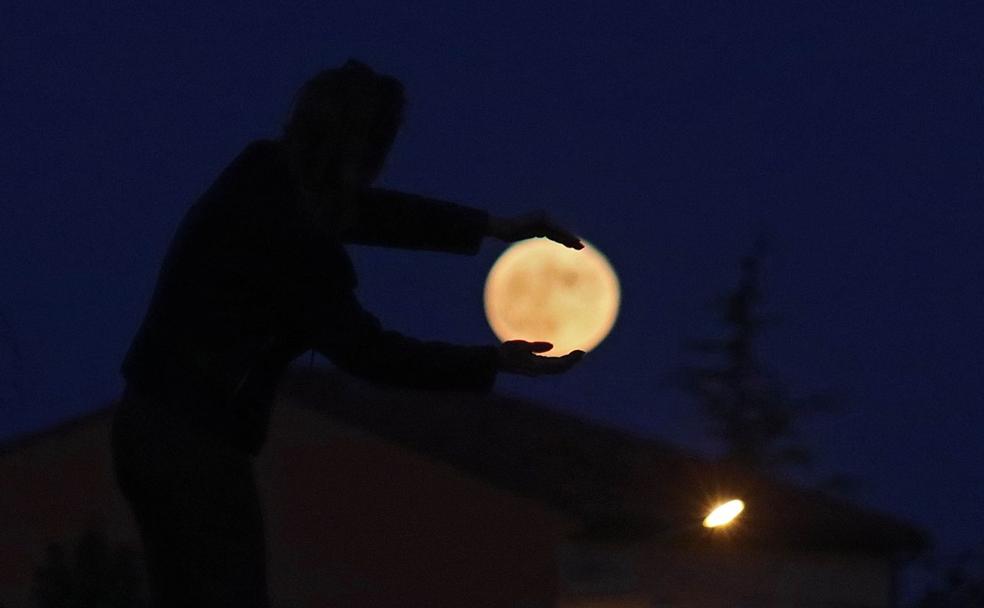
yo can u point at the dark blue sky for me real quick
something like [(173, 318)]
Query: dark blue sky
[(667, 136)]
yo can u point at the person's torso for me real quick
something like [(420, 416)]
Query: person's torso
[(224, 319)]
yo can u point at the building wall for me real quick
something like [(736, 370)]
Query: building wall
[(351, 520), (727, 576), (722, 575), (355, 521), (51, 490)]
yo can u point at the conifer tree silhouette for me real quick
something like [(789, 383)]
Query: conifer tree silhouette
[(751, 413)]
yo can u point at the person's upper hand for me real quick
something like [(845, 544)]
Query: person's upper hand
[(519, 357), (531, 225)]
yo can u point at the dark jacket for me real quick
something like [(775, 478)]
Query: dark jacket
[(247, 285)]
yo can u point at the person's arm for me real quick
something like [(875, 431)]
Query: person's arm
[(398, 219), (354, 340)]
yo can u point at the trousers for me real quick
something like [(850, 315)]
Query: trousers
[(195, 502)]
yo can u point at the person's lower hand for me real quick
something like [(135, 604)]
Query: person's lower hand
[(519, 357), (532, 225)]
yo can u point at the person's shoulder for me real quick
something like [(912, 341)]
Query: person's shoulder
[(261, 165), (256, 159), (260, 150), (264, 146), (253, 183)]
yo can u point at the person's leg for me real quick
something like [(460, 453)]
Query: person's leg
[(197, 508)]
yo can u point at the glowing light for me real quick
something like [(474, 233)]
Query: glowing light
[(724, 514), (539, 290)]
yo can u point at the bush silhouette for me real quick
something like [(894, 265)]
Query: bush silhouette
[(96, 576)]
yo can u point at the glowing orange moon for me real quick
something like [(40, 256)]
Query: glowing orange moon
[(539, 290)]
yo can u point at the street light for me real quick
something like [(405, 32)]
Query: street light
[(724, 513)]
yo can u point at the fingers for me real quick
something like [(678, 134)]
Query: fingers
[(523, 359), (539, 223), (564, 238), (555, 365), (557, 234), (523, 345), (539, 347)]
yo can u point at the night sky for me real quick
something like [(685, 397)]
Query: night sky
[(669, 137)]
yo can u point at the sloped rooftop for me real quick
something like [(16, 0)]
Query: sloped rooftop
[(618, 484)]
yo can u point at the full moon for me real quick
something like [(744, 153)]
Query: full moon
[(539, 290)]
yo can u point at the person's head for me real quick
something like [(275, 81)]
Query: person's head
[(341, 127)]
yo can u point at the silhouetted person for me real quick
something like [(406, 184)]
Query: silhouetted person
[(255, 276)]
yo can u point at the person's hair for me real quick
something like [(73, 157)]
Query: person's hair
[(336, 109)]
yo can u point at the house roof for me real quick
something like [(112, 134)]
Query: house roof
[(618, 484)]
